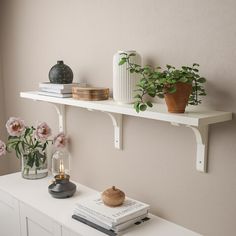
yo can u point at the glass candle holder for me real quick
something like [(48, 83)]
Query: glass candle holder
[(61, 186), (61, 162)]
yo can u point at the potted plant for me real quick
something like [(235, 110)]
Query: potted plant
[(179, 87)]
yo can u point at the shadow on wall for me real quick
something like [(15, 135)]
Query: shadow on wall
[(9, 164), (219, 97), (4, 169)]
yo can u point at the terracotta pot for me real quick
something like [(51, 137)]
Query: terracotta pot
[(176, 102)]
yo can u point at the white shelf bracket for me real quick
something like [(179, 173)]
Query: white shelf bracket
[(201, 134), (61, 112), (117, 123)]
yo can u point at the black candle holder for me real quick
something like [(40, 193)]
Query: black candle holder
[(62, 187)]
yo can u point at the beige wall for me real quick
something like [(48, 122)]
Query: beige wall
[(4, 161), (157, 164)]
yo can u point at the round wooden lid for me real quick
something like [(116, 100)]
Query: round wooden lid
[(89, 89)]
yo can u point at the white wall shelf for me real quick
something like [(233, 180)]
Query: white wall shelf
[(198, 119)]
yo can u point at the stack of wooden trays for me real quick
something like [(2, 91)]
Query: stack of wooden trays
[(90, 93)]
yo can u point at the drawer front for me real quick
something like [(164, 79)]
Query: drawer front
[(7, 199), (34, 223), (9, 215)]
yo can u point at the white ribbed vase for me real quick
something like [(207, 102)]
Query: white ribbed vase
[(124, 83)]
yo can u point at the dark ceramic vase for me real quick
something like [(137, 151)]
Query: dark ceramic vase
[(60, 74), (62, 188)]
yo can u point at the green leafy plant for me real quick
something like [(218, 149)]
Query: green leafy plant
[(156, 82)]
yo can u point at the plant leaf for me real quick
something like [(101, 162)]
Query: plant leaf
[(201, 80), (172, 89), (132, 70), (138, 96), (149, 103), (136, 106), (122, 61), (132, 54), (183, 80), (142, 107)]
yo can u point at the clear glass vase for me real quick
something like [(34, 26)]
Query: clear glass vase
[(34, 165)]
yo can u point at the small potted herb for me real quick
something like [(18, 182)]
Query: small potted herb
[(179, 87)]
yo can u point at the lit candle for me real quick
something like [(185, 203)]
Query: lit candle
[(61, 170)]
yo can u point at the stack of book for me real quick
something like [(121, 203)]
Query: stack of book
[(58, 90), (110, 220)]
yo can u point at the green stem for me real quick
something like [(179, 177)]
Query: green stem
[(196, 92), (26, 170)]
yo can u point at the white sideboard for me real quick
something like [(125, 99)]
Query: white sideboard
[(27, 209)]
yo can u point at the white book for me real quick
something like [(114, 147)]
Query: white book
[(117, 228), (58, 95), (104, 220), (55, 90), (60, 86), (93, 206), (129, 223)]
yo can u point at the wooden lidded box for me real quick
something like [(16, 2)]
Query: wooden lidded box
[(90, 93)]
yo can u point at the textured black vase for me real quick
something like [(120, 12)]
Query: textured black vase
[(60, 74)]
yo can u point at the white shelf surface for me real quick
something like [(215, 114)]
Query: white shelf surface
[(196, 118), (157, 112), (34, 193)]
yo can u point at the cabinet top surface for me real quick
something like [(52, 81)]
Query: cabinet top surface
[(194, 116), (35, 194)]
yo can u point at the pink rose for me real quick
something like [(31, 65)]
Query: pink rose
[(42, 131), (60, 140), (2, 148), (15, 126)]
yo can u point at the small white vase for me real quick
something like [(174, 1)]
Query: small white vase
[(124, 83)]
